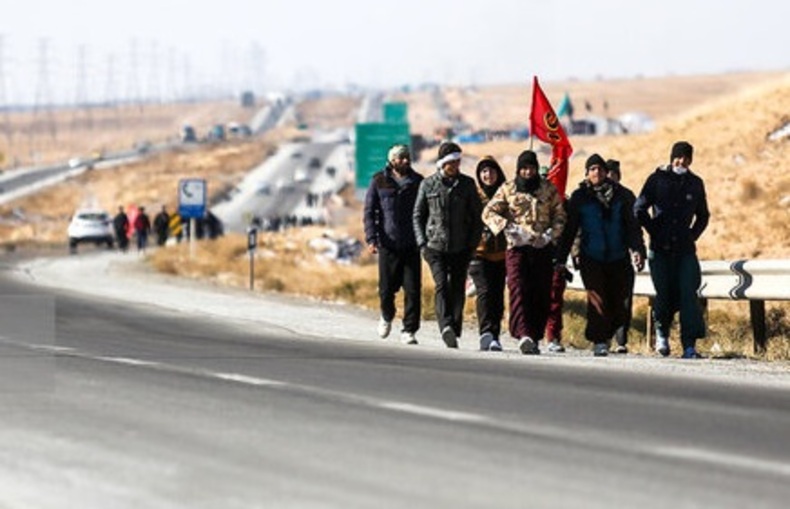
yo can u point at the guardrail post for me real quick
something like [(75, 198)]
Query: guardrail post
[(757, 315)]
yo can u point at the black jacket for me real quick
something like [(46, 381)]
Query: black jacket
[(447, 214), (388, 210), (679, 210)]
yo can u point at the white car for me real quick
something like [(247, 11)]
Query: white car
[(90, 225)]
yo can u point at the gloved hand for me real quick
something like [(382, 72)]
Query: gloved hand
[(517, 235)]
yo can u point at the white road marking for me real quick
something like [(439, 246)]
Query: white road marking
[(126, 360), (437, 413), (248, 380), (724, 459)]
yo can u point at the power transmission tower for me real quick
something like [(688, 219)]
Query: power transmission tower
[(111, 91), (6, 126), (133, 83), (43, 100), (82, 108)]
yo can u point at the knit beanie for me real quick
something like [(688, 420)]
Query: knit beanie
[(397, 151), (527, 158), (613, 166), (682, 149), (594, 160)]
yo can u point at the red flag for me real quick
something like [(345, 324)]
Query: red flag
[(544, 124)]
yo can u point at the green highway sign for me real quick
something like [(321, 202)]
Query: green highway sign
[(396, 113), (373, 141)]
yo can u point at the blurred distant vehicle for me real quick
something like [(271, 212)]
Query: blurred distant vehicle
[(142, 147), (264, 188), (283, 184), (90, 225), (77, 162), (217, 133), (315, 162), (239, 130), (300, 175), (188, 134)]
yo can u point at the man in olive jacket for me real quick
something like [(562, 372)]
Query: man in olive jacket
[(448, 227)]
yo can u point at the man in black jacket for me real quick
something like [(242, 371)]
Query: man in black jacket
[(448, 227), (676, 197), (389, 205)]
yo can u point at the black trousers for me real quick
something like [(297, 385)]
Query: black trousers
[(621, 334), (401, 269), (489, 279), (449, 277), (607, 289)]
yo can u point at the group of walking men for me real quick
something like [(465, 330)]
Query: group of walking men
[(520, 232)]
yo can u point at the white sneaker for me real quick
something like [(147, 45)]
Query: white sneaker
[(662, 344), (408, 338), (384, 328)]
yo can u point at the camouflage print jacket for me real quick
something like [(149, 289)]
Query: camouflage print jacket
[(541, 215)]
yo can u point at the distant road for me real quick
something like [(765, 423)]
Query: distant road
[(279, 186)]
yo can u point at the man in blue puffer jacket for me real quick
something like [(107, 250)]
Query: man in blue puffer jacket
[(602, 210), (389, 205)]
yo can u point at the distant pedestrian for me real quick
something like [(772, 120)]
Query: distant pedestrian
[(447, 227), (530, 212), (162, 226), (610, 240), (673, 208), (142, 228), (487, 268), (121, 226), (389, 233)]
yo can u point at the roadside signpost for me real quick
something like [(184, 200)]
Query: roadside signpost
[(192, 205), (252, 244)]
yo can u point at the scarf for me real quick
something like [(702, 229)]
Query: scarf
[(529, 186)]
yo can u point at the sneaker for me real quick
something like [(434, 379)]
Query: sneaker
[(601, 349), (408, 338), (621, 349), (555, 347), (495, 346), (384, 328), (449, 337), (662, 344), (528, 346), (485, 341), (691, 353)]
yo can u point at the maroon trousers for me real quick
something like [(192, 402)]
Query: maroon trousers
[(529, 273), (554, 322)]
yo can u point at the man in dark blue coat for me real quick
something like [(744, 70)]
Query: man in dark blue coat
[(611, 240), (673, 208), (389, 205)]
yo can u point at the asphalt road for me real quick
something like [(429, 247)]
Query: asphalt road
[(108, 404)]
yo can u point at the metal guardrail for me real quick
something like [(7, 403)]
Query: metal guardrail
[(757, 281)]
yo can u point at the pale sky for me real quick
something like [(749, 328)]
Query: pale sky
[(167, 47)]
